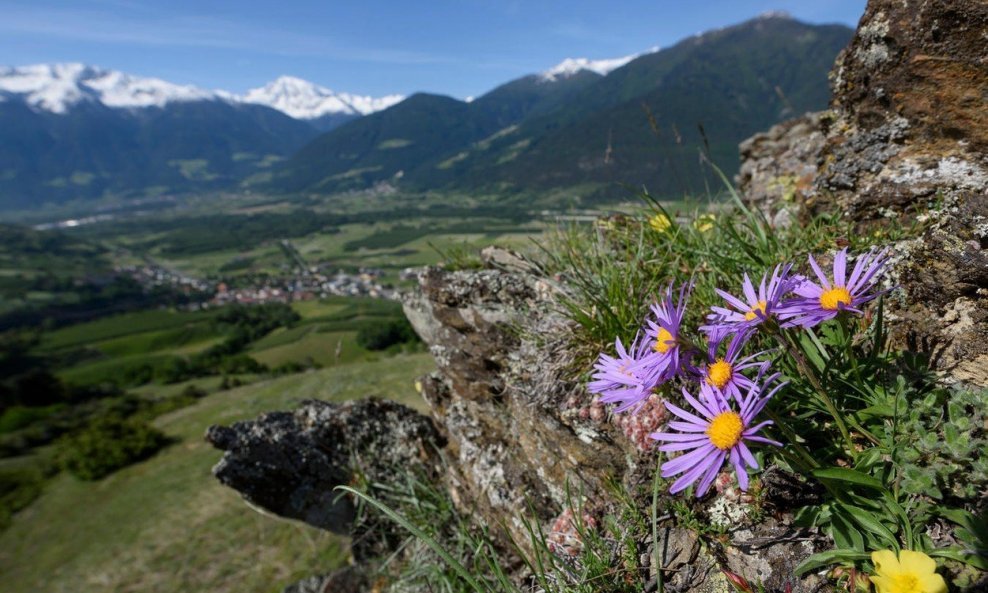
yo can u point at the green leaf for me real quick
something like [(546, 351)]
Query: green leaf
[(951, 434), (879, 409), (961, 517), (815, 352), (868, 458), (845, 534), (871, 523), (903, 518), (843, 474), (960, 555), (840, 555)]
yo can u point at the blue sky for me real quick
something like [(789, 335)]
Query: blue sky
[(460, 48)]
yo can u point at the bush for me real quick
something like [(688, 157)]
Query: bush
[(380, 335), (18, 489), (18, 417), (107, 445)]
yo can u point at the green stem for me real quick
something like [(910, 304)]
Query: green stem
[(657, 551), (849, 346), (803, 454), (814, 380)]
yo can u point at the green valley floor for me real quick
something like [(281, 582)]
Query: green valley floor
[(167, 525)]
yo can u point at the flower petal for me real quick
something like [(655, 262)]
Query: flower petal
[(916, 562), (933, 583), (675, 437), (684, 414), (882, 584), (689, 477), (885, 562), (819, 274), (748, 457), (687, 461), (687, 426), (840, 267), (713, 469), (739, 470)]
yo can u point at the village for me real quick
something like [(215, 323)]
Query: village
[(300, 283)]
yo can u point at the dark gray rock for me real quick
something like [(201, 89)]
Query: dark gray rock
[(350, 579), (290, 463)]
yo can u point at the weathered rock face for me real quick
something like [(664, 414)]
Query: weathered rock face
[(290, 463), (515, 437), (906, 141)]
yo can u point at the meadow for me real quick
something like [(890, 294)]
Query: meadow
[(166, 525)]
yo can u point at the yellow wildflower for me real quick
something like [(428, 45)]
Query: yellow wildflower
[(704, 222), (660, 222), (911, 572)]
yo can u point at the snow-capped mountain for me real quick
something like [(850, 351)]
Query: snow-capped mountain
[(571, 66), (56, 88), (302, 99)]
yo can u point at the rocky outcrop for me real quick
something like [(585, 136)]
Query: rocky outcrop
[(289, 463), (524, 435), (905, 143), (515, 436)]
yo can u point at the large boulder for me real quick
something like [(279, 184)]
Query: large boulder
[(904, 144), (289, 463)]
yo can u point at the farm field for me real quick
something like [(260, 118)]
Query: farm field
[(100, 350)]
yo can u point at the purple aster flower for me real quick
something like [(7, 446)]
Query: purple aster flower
[(724, 372), (815, 303), (713, 434), (627, 379), (743, 315), (668, 359)]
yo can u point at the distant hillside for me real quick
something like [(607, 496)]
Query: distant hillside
[(78, 132), (93, 150), (638, 125), (398, 141)]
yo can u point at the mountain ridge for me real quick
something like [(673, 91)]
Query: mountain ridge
[(636, 120), (58, 87), (644, 123)]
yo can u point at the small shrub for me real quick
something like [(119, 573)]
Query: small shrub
[(19, 487), (107, 445), (380, 335), (18, 417)]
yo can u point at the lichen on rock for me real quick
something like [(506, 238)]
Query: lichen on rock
[(904, 142)]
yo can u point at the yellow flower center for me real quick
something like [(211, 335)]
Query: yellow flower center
[(725, 430), (719, 373), (664, 341), (906, 583), (831, 299), (758, 308)]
